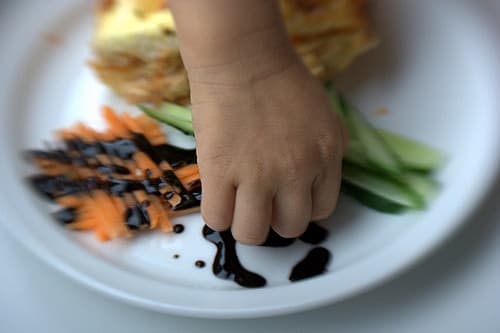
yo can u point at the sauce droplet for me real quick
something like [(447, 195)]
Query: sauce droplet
[(313, 264), (226, 264), (199, 263), (178, 228)]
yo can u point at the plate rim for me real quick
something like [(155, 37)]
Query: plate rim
[(39, 249)]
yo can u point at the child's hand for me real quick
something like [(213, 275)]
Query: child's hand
[(269, 153), (269, 147)]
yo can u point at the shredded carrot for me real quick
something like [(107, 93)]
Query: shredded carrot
[(163, 219), (101, 234), (150, 129), (108, 216), (187, 180), (83, 225), (130, 123), (145, 163), (187, 171), (114, 122), (175, 213), (71, 201), (101, 211)]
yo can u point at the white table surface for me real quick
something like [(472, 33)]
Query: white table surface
[(455, 290)]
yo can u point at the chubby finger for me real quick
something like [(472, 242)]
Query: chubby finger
[(217, 202), (325, 192), (292, 210), (252, 214)]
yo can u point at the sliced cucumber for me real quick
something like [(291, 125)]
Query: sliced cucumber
[(173, 115), (334, 98), (426, 187), (413, 155), (380, 187), (371, 200), (375, 150), (355, 155)]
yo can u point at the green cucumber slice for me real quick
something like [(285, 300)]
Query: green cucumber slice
[(355, 155), (371, 200), (334, 98), (173, 115), (387, 188), (412, 154), (423, 185), (375, 150)]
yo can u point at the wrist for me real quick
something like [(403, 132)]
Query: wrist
[(227, 42), (247, 59)]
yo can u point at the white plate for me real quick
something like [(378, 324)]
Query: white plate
[(436, 72)]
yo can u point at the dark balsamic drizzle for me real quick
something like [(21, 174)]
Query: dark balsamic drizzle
[(157, 154), (80, 153), (314, 234), (177, 156), (178, 228), (65, 216), (199, 263), (136, 217), (54, 186), (275, 240), (226, 264), (313, 264)]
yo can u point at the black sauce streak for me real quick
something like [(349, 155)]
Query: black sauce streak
[(187, 201), (81, 153), (313, 264), (142, 143), (112, 168), (65, 216), (226, 264), (54, 186), (121, 148), (136, 217), (196, 192), (314, 234), (177, 156), (275, 240), (169, 195), (50, 155)]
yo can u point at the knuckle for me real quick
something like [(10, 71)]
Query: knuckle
[(217, 215), (328, 146), (213, 161), (212, 219), (249, 238), (257, 169), (295, 164), (323, 212), (288, 232)]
